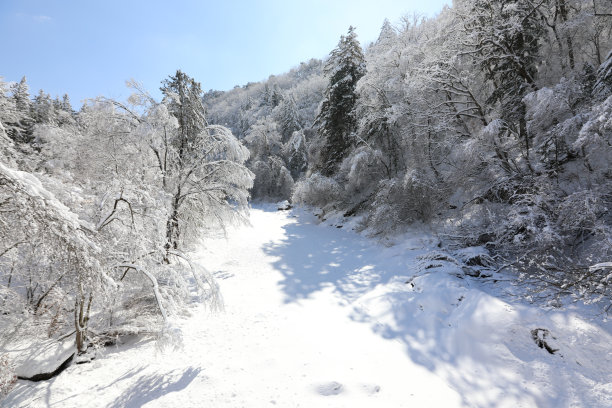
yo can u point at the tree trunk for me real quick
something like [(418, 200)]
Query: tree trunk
[(172, 227), (430, 154), (568, 38), (81, 320), (524, 134)]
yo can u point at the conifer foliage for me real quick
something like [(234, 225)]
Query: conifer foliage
[(336, 121)]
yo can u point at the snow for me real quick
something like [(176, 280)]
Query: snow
[(317, 316), (36, 357), (601, 266)]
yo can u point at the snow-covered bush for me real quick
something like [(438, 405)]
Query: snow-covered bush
[(317, 191), (399, 202), (8, 378), (527, 213), (595, 141), (364, 168), (581, 212)]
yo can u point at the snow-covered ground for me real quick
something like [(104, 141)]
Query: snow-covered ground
[(318, 316)]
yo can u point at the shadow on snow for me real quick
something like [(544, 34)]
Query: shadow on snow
[(312, 258), (151, 387)]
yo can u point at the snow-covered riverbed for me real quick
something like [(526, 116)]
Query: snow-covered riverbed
[(317, 316)]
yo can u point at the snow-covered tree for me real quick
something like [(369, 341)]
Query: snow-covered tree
[(504, 39), (336, 120), (288, 117), (8, 114), (203, 165), (51, 251), (272, 178), (264, 139), (42, 108), (295, 150), (603, 86), (20, 128), (21, 95), (91, 232)]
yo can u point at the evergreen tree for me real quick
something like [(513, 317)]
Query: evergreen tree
[(183, 96), (289, 119), (266, 97), (276, 97), (21, 129), (8, 112), (296, 153), (21, 95), (42, 108), (63, 110), (66, 106), (387, 34), (336, 121)]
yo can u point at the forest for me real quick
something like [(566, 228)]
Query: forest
[(489, 124)]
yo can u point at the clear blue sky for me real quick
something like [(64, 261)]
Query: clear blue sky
[(89, 48)]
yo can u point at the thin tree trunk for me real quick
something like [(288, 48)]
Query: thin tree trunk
[(81, 319), (429, 153), (172, 226), (523, 134), (568, 38)]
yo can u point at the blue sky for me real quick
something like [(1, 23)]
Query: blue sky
[(89, 48)]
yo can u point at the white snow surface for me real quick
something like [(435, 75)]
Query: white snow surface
[(39, 357), (317, 316)]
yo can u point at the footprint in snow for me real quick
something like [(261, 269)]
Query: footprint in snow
[(330, 388), (370, 388), (223, 275)]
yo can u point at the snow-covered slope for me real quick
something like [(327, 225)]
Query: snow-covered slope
[(322, 317)]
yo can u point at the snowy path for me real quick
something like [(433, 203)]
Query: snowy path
[(282, 340), (315, 317), (291, 341)]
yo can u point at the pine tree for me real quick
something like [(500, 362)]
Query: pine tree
[(184, 97), (66, 106), (387, 34), (296, 154), (276, 97), (21, 94), (336, 121), (21, 129), (289, 119), (8, 112), (62, 110), (43, 110)]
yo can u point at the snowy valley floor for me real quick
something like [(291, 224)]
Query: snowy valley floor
[(318, 316)]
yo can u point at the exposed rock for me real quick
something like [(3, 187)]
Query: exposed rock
[(540, 337)]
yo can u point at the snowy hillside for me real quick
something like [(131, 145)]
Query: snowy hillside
[(457, 168), (317, 316)]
